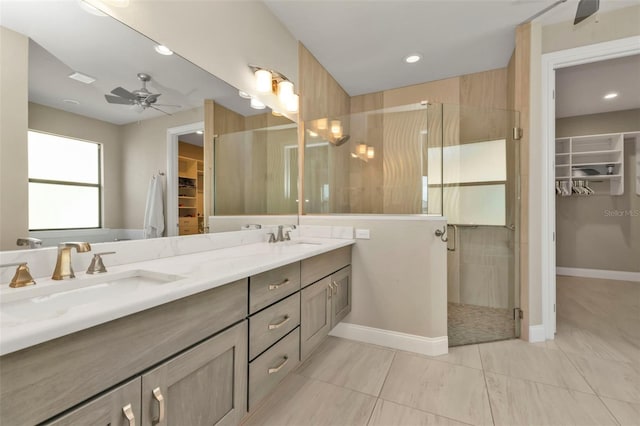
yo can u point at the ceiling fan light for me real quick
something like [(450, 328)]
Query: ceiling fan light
[(263, 80)]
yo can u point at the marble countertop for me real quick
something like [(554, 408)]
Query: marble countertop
[(194, 273)]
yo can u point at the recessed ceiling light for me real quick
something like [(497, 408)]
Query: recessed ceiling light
[(413, 58), (71, 101), (199, 132), (610, 95), (82, 78), (244, 95), (164, 50)]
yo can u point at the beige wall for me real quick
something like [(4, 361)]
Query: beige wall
[(14, 200), (587, 236), (144, 153), (399, 278), (601, 27), (222, 37), (58, 122)]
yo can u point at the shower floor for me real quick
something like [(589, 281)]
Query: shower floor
[(469, 324)]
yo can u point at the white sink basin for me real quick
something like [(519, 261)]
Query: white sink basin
[(57, 298)]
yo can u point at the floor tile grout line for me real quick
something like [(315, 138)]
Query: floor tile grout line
[(486, 387), (425, 411), (544, 384), (386, 376), (590, 386)]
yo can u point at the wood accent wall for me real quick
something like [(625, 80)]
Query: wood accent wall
[(519, 69), (322, 97)]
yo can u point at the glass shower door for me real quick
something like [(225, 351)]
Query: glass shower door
[(480, 200)]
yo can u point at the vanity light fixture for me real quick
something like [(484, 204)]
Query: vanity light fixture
[(244, 95), (321, 124), (336, 128), (362, 149), (276, 83), (82, 78), (163, 50), (199, 132), (611, 95), (413, 58)]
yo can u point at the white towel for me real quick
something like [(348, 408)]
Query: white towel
[(153, 213)]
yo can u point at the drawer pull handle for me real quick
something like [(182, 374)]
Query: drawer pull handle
[(128, 413), (330, 289), (278, 368), (157, 395), (280, 324), (335, 287), (277, 286)]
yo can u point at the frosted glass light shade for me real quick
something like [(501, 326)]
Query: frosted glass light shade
[(263, 81), (292, 104), (362, 148), (336, 127), (322, 124), (285, 91), (256, 104)]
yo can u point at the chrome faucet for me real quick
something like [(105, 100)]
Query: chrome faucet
[(280, 237), (29, 241), (63, 268)]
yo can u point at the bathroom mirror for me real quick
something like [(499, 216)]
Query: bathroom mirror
[(92, 78)]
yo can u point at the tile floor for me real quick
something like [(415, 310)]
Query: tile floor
[(589, 375)]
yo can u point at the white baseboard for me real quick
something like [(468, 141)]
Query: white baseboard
[(599, 273), (536, 333), (431, 346)]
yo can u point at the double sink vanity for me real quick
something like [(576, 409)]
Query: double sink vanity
[(195, 339)]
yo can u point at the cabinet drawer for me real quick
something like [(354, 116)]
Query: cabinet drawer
[(271, 367), (271, 286), (188, 221), (324, 264), (268, 326)]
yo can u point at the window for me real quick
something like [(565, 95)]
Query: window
[(475, 176), (65, 187)]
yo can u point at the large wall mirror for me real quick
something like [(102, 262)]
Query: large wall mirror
[(101, 101)]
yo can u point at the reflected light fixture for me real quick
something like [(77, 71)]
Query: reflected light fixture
[(256, 104), (163, 50), (312, 133), (199, 132), (611, 95), (322, 124), (362, 148), (293, 103), (244, 95), (336, 128), (370, 152)]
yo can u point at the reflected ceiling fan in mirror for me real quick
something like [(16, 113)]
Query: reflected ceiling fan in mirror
[(141, 98)]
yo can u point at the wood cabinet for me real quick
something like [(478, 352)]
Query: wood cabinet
[(206, 385), (315, 315), (118, 407), (341, 295)]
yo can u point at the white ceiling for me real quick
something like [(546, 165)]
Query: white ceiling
[(580, 89), (66, 38), (363, 43)]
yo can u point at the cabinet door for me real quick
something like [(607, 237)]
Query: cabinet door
[(341, 297), (119, 407), (206, 385), (315, 315)]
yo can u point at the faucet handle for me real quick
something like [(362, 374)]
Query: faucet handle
[(272, 237), (97, 265), (22, 277), (29, 241)]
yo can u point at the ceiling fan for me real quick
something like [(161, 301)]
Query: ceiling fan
[(142, 97)]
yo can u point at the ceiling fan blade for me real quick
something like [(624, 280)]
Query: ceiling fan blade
[(168, 105), (165, 112), (118, 100), (585, 9), (123, 93)]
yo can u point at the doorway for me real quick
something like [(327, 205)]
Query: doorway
[(551, 63), (186, 199)]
